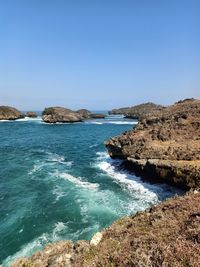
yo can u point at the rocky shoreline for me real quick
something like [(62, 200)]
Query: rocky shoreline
[(164, 146), (165, 235)]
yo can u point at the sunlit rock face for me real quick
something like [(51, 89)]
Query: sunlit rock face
[(9, 113), (60, 114), (165, 145)]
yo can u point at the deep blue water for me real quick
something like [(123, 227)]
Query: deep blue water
[(57, 182)]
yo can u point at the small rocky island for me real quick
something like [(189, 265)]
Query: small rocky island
[(166, 145), (60, 114), (97, 116), (10, 113), (65, 115), (31, 114), (138, 111)]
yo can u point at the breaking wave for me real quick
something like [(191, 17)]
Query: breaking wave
[(76, 181)]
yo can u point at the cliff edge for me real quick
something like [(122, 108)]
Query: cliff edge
[(165, 146)]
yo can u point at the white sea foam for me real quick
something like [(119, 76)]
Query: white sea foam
[(60, 231), (95, 145), (37, 119), (113, 122), (102, 155), (36, 167), (5, 121), (140, 190), (123, 122), (77, 181), (93, 122), (38, 243), (61, 123), (58, 192), (27, 249), (26, 119), (131, 182), (104, 204), (55, 158), (59, 228), (127, 181), (50, 159)]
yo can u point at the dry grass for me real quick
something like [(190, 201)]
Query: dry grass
[(167, 235)]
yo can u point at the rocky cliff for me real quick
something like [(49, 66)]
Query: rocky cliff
[(9, 113), (138, 111), (165, 145)]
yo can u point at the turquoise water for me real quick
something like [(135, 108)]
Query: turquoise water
[(57, 182)]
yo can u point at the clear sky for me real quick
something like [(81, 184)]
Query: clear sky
[(98, 54)]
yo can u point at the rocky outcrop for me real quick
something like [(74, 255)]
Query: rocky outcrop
[(97, 116), (84, 113), (9, 113), (165, 145), (31, 114), (60, 114), (139, 111), (166, 235)]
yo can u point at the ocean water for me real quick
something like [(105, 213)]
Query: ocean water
[(58, 182)]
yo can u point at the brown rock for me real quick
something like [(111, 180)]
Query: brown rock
[(9, 113), (138, 111), (60, 114), (84, 113), (173, 135), (31, 114), (97, 116)]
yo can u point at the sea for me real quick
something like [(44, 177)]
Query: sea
[(58, 182)]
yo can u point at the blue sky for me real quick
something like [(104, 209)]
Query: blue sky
[(98, 54)]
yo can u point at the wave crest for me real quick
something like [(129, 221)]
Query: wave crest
[(77, 181)]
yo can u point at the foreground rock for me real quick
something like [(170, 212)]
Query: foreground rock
[(139, 111), (165, 146), (60, 114), (9, 113), (167, 235), (31, 114)]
